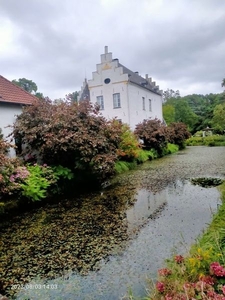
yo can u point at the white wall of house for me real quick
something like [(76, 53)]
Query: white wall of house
[(143, 104), (131, 110), (8, 114)]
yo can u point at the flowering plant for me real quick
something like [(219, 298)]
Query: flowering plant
[(206, 283)]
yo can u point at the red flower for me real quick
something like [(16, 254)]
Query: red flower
[(179, 259), (160, 286)]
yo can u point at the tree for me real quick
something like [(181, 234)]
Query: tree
[(218, 120), (26, 84), (184, 114), (72, 97), (223, 83), (169, 93), (169, 113), (39, 95)]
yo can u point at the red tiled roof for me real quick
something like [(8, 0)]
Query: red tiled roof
[(11, 93)]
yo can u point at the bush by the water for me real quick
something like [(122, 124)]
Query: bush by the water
[(153, 134), (69, 134), (35, 182), (129, 146), (177, 133)]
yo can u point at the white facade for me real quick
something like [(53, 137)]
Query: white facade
[(8, 114), (124, 94)]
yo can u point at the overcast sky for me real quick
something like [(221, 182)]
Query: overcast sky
[(55, 43)]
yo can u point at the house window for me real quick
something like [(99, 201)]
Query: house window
[(116, 100), (107, 80), (100, 102), (150, 104), (143, 103)]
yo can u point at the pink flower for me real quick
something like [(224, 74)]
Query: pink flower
[(164, 272), (214, 296), (223, 289), (217, 269), (207, 279), (12, 178), (168, 297), (179, 259), (160, 286)]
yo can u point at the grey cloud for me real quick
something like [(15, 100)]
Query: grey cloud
[(59, 42)]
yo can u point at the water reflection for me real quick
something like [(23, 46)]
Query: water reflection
[(147, 205)]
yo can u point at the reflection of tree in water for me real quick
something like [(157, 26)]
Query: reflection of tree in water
[(73, 235)]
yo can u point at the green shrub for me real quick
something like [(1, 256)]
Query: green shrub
[(194, 141), (142, 156), (172, 148), (62, 172), (212, 140), (129, 146), (62, 175), (35, 186), (145, 155), (198, 133), (123, 166)]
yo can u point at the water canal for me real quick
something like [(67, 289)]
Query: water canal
[(100, 245)]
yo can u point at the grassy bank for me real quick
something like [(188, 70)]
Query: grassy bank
[(213, 140), (144, 155), (200, 274)]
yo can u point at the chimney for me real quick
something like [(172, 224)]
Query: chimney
[(107, 56), (150, 79), (153, 83), (136, 72), (146, 76)]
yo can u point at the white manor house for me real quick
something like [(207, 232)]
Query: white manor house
[(122, 93)]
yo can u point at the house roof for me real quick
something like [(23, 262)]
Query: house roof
[(139, 80), (11, 93)]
